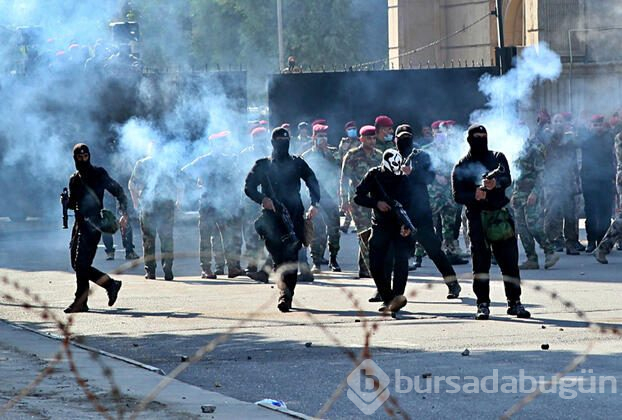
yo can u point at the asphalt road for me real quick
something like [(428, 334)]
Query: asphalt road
[(303, 357)]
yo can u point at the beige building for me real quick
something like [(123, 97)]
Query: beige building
[(585, 33)]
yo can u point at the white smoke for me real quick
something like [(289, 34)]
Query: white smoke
[(509, 93)]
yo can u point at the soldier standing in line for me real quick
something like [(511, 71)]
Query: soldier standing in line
[(355, 165), (560, 186), (219, 220), (598, 173), (527, 202), (614, 233), (444, 208), (348, 142), (384, 133), (325, 164), (302, 142), (154, 194)]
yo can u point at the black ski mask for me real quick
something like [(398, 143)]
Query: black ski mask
[(82, 166), (479, 143), (280, 143), (404, 140)]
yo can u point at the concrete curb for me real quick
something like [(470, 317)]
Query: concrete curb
[(135, 380)]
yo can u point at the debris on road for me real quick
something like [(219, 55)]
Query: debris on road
[(308, 344), (466, 352), (208, 408)]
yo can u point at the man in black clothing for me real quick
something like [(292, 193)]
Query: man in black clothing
[(279, 177), (598, 173), (420, 174), (490, 198), (86, 193), (381, 189)]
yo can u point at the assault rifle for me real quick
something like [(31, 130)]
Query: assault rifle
[(397, 208)]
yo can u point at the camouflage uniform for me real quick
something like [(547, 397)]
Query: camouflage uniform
[(345, 145), (383, 145), (530, 218), (614, 233), (561, 185), (300, 145), (355, 165), (325, 164), (220, 225), (156, 191)]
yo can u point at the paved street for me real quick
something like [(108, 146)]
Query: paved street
[(302, 357)]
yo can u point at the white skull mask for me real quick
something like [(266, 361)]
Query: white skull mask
[(392, 161)]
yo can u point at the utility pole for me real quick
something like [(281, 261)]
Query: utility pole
[(500, 37), (503, 55), (279, 24)]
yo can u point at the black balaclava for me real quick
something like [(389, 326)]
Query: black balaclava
[(82, 166), (479, 146), (404, 140), (280, 143)]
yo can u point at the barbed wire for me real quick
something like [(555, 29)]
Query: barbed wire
[(369, 325)]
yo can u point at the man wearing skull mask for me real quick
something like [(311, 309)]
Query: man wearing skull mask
[(86, 193), (279, 178), (379, 190), (483, 202)]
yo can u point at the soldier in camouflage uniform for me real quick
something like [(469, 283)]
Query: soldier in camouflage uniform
[(219, 178), (154, 193), (527, 203), (384, 133), (347, 143), (325, 163), (442, 204), (614, 233), (302, 142), (560, 185), (355, 165)]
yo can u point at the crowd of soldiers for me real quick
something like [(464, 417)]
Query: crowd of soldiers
[(564, 165)]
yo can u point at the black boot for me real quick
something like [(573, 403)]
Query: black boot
[(333, 264), (517, 308), (483, 312), (418, 261), (591, 246)]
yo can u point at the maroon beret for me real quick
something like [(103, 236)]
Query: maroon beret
[(367, 130), (383, 121)]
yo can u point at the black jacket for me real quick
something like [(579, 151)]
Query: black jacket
[(284, 175), (467, 177), (421, 176), (86, 192), (396, 187)]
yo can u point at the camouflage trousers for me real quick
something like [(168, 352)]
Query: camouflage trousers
[(254, 245), (560, 215), (158, 221), (613, 235), (325, 229), (220, 237), (448, 211), (529, 221), (362, 222)]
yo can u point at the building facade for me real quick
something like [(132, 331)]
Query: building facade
[(585, 34)]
